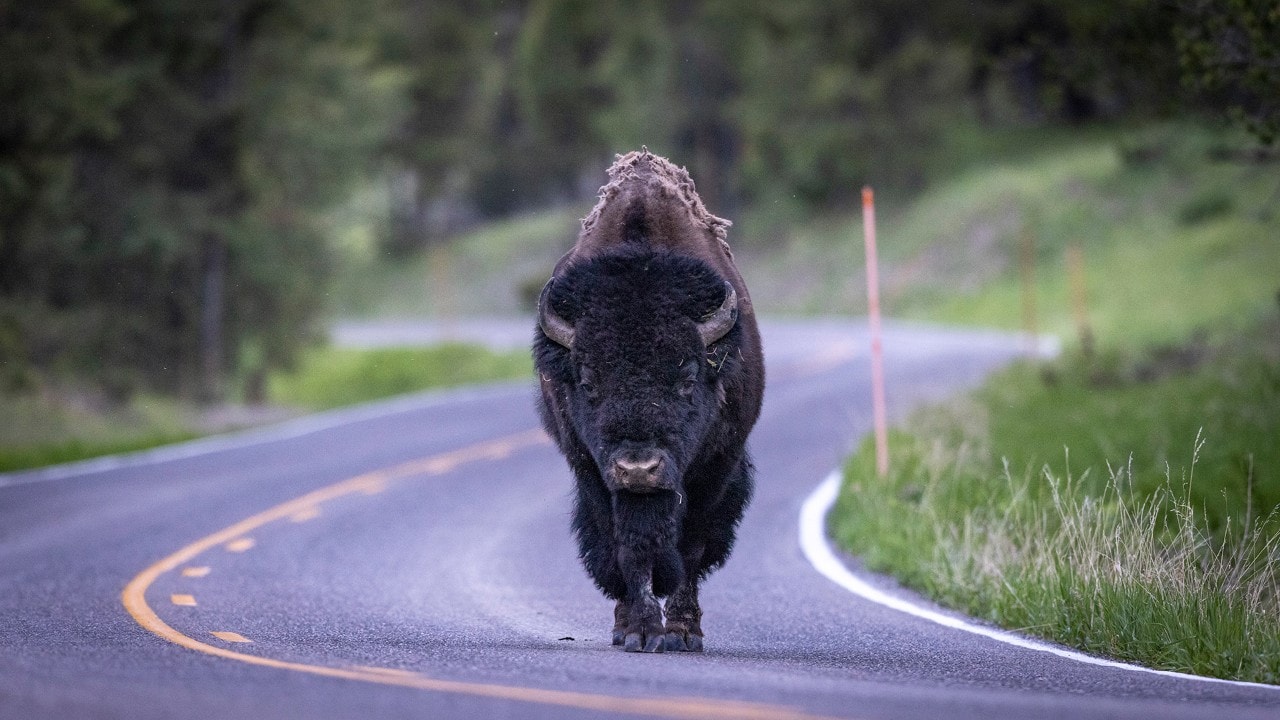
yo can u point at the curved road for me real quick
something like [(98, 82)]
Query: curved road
[(412, 559)]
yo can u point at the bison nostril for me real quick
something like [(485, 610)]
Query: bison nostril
[(641, 473), (647, 466)]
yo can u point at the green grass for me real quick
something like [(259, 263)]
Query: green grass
[(1125, 501), (1172, 242), (1174, 238), (332, 377), (1133, 519), (48, 427), (41, 455)]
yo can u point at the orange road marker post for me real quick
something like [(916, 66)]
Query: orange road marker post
[(877, 349), (1079, 299), (441, 281), (1027, 258)]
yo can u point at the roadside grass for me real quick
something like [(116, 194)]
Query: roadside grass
[(332, 377), (71, 450), (46, 428), (1126, 506), (1125, 498)]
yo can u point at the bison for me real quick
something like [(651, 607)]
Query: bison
[(652, 376)]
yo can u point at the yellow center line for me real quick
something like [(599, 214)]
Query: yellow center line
[(195, 571), (186, 600), (134, 599), (310, 513), (240, 545)]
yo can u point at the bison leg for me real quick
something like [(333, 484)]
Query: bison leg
[(620, 614), (643, 630), (647, 558), (644, 625), (684, 619)]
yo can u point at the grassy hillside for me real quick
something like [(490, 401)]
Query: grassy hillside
[(1124, 500), (1179, 228), (491, 270)]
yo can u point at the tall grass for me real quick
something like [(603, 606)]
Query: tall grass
[(1137, 542), (1134, 577)]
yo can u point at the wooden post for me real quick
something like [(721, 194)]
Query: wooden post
[(1079, 301), (1028, 264), (877, 351), (443, 298)]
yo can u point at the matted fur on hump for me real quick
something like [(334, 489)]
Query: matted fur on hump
[(674, 181)]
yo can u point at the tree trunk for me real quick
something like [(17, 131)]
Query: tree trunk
[(212, 304)]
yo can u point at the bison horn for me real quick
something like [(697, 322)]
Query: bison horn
[(554, 326), (719, 323)]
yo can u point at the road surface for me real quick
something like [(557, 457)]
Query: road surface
[(412, 559)]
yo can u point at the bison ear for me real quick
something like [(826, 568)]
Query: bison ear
[(720, 322), (554, 326)]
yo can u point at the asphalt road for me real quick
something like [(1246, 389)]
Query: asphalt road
[(412, 559)]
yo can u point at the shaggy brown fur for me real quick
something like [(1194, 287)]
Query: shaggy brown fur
[(645, 167)]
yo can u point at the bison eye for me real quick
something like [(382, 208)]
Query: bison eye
[(586, 381), (689, 382)]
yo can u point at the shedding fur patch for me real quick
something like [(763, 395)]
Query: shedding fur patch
[(674, 181)]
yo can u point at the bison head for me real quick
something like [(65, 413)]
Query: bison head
[(634, 348)]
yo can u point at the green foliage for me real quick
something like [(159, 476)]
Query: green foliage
[(328, 378), (1146, 413), (1230, 51), (175, 176), (1104, 500), (793, 105), (164, 202), (1205, 207), (1134, 518)]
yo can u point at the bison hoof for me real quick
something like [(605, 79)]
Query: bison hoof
[(680, 642), (619, 636), (635, 642)]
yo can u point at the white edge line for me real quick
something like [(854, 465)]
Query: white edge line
[(250, 437), (816, 549)]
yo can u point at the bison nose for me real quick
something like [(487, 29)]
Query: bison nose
[(641, 474)]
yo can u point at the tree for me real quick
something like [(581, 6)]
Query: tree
[(175, 217), (1230, 52)]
